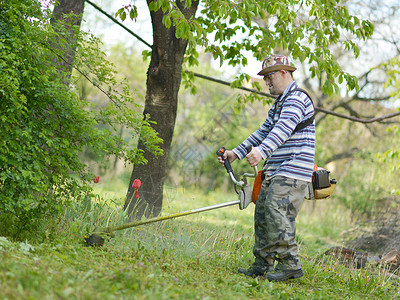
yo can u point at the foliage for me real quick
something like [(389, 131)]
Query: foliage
[(365, 179), (362, 159), (44, 125), (124, 60), (205, 122), (392, 84), (229, 30), (392, 68), (187, 258)]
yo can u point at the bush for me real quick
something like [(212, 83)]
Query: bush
[(45, 126)]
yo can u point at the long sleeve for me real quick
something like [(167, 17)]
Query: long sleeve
[(289, 153)]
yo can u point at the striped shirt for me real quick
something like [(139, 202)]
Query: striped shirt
[(289, 154)]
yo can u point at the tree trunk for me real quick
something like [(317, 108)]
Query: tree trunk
[(61, 13), (163, 82)]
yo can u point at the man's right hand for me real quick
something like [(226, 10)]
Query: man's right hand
[(229, 154)]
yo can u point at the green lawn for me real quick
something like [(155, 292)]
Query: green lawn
[(193, 257)]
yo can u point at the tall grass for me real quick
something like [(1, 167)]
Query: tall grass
[(193, 257)]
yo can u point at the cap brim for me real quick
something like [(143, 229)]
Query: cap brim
[(276, 68)]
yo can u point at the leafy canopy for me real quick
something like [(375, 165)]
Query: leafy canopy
[(44, 125), (230, 30)]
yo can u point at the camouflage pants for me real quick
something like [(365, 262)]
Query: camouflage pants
[(278, 204)]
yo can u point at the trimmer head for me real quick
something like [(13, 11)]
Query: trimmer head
[(94, 240)]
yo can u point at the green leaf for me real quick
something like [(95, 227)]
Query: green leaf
[(123, 16), (340, 79), (133, 13), (188, 3), (120, 11), (167, 21)]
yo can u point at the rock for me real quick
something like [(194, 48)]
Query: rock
[(349, 257), (391, 260)]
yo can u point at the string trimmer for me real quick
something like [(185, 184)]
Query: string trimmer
[(242, 188)]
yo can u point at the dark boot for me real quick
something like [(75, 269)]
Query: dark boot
[(255, 271), (285, 275)]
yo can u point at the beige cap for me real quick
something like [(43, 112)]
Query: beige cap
[(275, 63)]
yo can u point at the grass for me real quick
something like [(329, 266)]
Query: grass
[(193, 257)]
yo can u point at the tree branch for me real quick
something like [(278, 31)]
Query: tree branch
[(342, 155), (118, 23), (364, 121), (229, 84), (318, 109)]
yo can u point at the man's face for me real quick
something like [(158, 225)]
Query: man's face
[(274, 81)]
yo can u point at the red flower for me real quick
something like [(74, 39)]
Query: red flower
[(96, 179), (136, 185)]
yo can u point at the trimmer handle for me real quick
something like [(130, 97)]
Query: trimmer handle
[(227, 164), (249, 148), (221, 151)]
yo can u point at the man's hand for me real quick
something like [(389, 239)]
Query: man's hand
[(254, 157), (228, 154)]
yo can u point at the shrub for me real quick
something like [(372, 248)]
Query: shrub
[(44, 125)]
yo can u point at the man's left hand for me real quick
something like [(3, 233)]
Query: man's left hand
[(254, 157)]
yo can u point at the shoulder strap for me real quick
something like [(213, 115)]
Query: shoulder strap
[(307, 122)]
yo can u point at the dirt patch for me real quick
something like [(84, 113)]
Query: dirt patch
[(380, 234), (390, 262), (375, 241), (379, 241)]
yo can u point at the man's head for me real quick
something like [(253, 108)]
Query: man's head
[(277, 72)]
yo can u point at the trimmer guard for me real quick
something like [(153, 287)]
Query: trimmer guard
[(245, 196)]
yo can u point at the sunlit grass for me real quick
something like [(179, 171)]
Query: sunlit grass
[(191, 257)]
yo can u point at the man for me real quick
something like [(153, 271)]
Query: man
[(286, 141)]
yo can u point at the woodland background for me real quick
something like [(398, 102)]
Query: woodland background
[(363, 155), (69, 145)]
